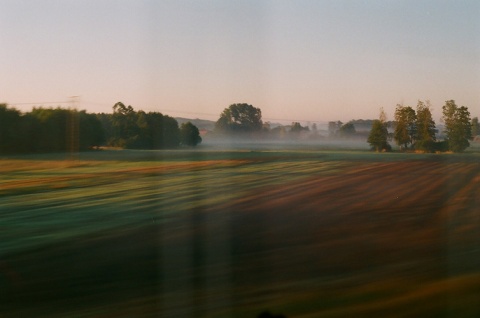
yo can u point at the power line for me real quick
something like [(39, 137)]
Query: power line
[(172, 110), (95, 103), (164, 110), (187, 112), (40, 103), (295, 120)]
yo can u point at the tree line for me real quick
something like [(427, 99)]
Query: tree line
[(62, 130), (47, 130), (127, 128), (415, 129), (57, 130)]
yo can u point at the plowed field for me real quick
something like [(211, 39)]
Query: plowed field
[(219, 234)]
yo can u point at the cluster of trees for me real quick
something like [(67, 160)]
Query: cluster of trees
[(130, 129), (337, 129), (293, 131), (48, 130), (60, 130), (416, 129), (245, 121)]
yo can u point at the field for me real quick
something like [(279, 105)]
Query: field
[(211, 233)]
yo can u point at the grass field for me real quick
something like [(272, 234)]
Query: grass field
[(213, 233)]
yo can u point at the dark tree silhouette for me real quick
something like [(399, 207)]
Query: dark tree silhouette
[(140, 130), (189, 134), (9, 120), (60, 130), (162, 130), (91, 131)]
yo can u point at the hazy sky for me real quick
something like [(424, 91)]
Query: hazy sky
[(296, 60)]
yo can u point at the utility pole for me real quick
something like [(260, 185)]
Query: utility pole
[(73, 129)]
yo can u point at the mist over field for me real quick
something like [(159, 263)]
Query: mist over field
[(276, 144)]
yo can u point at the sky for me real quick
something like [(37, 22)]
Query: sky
[(307, 61)]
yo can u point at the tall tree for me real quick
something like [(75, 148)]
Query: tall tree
[(378, 137), (458, 129), (425, 126), (124, 124), (405, 126), (240, 118)]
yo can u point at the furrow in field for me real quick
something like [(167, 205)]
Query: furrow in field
[(322, 215), (325, 191)]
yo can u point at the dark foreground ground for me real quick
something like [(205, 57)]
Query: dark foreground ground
[(219, 234)]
